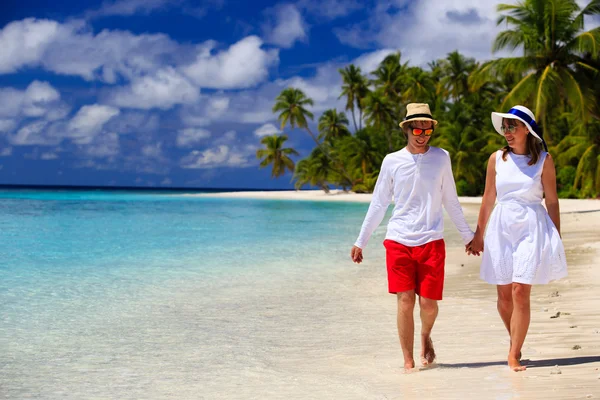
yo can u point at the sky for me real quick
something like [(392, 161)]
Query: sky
[(178, 93)]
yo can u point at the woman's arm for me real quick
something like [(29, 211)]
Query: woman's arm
[(549, 184), (487, 204)]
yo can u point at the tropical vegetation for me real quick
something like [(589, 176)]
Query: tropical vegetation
[(556, 74)]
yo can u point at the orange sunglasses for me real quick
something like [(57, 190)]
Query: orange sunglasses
[(419, 132)]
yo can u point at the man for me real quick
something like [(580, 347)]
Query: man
[(419, 179)]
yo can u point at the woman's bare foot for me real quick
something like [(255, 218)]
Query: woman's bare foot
[(515, 365), (428, 352)]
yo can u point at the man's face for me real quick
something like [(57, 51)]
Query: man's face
[(419, 141)]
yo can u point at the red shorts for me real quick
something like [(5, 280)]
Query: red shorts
[(420, 268)]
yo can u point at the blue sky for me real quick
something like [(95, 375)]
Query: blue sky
[(178, 93)]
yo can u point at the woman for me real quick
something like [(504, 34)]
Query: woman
[(522, 241)]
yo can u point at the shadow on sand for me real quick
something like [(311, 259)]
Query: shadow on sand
[(561, 362)]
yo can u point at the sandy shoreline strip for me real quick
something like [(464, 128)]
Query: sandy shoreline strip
[(566, 205)]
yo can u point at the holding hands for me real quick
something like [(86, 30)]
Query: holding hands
[(475, 246)]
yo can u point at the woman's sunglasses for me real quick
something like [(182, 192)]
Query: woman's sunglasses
[(509, 128), (419, 131)]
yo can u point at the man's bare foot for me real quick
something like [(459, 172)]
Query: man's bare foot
[(520, 353), (427, 353), (515, 365), (409, 366)]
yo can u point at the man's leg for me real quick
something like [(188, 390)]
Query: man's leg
[(430, 287), (406, 326), (429, 312), (519, 323)]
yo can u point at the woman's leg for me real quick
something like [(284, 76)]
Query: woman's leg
[(519, 323), (505, 304)]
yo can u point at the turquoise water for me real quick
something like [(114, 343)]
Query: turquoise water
[(97, 286)]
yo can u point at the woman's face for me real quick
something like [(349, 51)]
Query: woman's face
[(515, 132)]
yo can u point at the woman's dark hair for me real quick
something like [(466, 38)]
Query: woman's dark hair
[(533, 148)]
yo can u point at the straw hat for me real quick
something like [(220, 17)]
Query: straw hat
[(418, 112)]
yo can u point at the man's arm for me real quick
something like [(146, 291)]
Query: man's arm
[(382, 197), (452, 205)]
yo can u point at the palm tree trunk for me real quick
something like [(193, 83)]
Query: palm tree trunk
[(364, 170), (354, 118), (360, 118)]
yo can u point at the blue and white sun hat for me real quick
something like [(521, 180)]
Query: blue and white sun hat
[(524, 115)]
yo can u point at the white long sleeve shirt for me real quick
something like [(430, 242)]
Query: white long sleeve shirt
[(419, 184)]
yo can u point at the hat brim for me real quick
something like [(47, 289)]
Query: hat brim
[(497, 122), (418, 119)]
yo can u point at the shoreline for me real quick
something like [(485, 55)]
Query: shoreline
[(566, 205)]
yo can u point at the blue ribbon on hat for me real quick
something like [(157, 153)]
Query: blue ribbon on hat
[(531, 122)]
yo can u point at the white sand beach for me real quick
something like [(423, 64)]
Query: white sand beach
[(562, 350)]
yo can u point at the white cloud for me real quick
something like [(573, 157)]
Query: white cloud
[(49, 156), (133, 122), (189, 136), (23, 43), (5, 152), (88, 122), (103, 146), (287, 27), (152, 151), (166, 182), (219, 156), (35, 133), (369, 62), (163, 90), (38, 100), (7, 125), (330, 9), (423, 36), (145, 7), (206, 111), (130, 7), (266, 130), (243, 65), (72, 49)]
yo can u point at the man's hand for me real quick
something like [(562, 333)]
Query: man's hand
[(356, 254)]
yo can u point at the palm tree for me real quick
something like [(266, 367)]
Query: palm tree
[(363, 155), (380, 114), (274, 153), (333, 125), (555, 45), (457, 70), (464, 143), (354, 88), (314, 170), (389, 76), (291, 105), (581, 149), (418, 86)]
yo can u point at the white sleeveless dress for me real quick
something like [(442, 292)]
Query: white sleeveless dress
[(521, 243)]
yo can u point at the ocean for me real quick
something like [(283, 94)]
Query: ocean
[(118, 294)]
